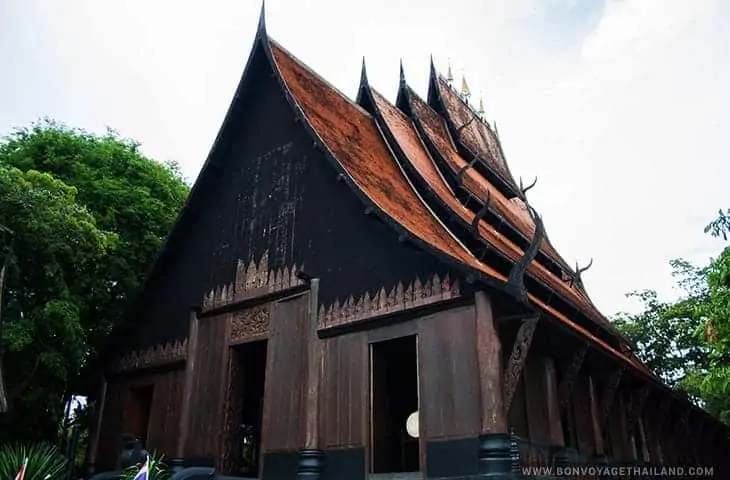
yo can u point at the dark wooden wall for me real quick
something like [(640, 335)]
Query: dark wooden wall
[(286, 375), (449, 375), (208, 388), (271, 191), (344, 399), (164, 423)]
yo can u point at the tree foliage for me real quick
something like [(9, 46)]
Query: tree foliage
[(687, 341), (84, 216)]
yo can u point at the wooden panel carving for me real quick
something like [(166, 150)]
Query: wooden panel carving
[(517, 358), (232, 413), (155, 356), (252, 281), (250, 323), (415, 294), (565, 390)]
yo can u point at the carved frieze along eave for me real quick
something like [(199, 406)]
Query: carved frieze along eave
[(252, 281), (156, 356), (399, 299), (250, 323), (517, 358), (565, 389)]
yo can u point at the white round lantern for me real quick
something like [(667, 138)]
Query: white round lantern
[(412, 424)]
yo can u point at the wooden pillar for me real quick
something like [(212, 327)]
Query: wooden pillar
[(96, 428), (489, 358), (553, 407), (494, 440), (595, 417), (311, 457), (187, 393)]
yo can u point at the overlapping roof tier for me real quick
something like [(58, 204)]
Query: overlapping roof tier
[(367, 148)]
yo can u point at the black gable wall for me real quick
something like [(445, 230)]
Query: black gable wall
[(271, 191)]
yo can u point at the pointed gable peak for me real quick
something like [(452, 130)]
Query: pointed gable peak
[(262, 20), (363, 74), (402, 78)]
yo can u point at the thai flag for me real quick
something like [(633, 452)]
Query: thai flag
[(21, 472), (143, 473)]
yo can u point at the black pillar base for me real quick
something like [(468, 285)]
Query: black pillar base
[(311, 463), (495, 456), (176, 464)]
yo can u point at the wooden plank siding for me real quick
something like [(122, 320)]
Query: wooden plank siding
[(344, 401), (286, 369), (449, 375), (208, 386), (164, 415)]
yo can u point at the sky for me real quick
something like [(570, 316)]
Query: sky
[(619, 107)]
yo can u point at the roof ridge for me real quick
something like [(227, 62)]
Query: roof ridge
[(317, 75)]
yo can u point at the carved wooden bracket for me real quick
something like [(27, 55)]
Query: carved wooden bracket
[(637, 407), (517, 358), (565, 389), (609, 394)]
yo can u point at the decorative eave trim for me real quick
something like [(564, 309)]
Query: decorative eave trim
[(159, 355), (252, 281), (399, 299)]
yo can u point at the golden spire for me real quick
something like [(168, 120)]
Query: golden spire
[(449, 74), (480, 112), (465, 87)]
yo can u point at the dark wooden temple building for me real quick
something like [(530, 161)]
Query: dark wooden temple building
[(357, 287)]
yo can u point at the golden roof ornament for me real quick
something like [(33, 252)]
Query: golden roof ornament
[(449, 74), (480, 112), (465, 92)]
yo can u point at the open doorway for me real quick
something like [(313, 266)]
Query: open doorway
[(394, 392), (137, 415), (250, 375)]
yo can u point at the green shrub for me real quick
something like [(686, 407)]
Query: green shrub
[(157, 469), (45, 461)]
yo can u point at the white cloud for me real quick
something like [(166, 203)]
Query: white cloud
[(620, 109)]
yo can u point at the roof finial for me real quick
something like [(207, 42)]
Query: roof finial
[(465, 92), (262, 18), (480, 112), (449, 74), (402, 73), (363, 74)]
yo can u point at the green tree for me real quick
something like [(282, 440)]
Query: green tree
[(128, 194), (64, 192), (53, 259), (687, 341)]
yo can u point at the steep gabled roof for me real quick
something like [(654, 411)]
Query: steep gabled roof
[(355, 143), (404, 133), (352, 139)]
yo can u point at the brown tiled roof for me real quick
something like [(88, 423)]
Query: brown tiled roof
[(407, 137), (357, 145), (352, 136), (477, 136), (513, 211)]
